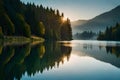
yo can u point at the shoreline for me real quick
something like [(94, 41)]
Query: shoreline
[(19, 40)]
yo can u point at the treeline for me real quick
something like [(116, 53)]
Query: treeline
[(85, 35), (15, 61), (19, 19), (110, 34)]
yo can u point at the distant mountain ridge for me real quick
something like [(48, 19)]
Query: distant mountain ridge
[(77, 23), (100, 22)]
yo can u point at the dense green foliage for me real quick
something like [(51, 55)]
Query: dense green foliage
[(111, 33), (19, 19)]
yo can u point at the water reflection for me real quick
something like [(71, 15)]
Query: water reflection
[(35, 58), (15, 61), (108, 52), (115, 50)]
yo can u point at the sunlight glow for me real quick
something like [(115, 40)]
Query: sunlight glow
[(64, 19)]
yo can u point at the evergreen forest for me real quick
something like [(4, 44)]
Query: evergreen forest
[(20, 19)]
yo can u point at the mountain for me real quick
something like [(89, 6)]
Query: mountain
[(100, 22), (77, 23)]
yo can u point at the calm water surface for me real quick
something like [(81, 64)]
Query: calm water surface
[(75, 60)]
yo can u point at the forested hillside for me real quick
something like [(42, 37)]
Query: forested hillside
[(110, 34), (100, 22), (19, 19)]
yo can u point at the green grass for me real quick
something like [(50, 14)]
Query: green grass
[(8, 40)]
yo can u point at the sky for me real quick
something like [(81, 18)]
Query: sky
[(79, 9)]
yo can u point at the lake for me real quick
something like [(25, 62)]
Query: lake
[(63, 60)]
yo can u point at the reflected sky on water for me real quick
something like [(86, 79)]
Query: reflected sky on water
[(75, 60)]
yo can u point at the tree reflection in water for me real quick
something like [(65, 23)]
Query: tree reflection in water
[(105, 53), (16, 60)]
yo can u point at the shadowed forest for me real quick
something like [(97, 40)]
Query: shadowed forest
[(19, 19)]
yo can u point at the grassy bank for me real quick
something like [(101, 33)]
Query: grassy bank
[(16, 40)]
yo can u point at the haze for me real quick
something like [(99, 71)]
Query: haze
[(78, 9)]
